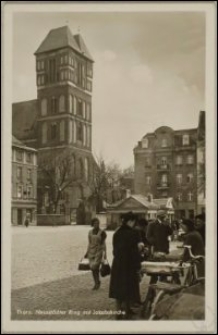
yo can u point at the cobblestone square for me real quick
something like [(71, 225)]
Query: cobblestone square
[(46, 284)]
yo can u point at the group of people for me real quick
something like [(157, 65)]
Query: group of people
[(135, 241)]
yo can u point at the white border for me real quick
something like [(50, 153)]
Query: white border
[(207, 326)]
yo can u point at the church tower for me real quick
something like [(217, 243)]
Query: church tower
[(64, 73)]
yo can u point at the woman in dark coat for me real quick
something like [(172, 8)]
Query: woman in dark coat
[(124, 281)]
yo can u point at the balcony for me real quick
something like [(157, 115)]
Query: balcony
[(163, 167), (161, 186)]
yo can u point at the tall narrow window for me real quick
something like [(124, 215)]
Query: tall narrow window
[(44, 133), (88, 112), (84, 109), (54, 104), (179, 179), (19, 155), (88, 135), (164, 180), (53, 131), (74, 132), (79, 131), (164, 143), (190, 178), (179, 196), (19, 191), (62, 104), (70, 103), (52, 70), (79, 107), (62, 130), (81, 169), (19, 173), (29, 174), (190, 159), (148, 180), (44, 107), (70, 130), (145, 143), (86, 168), (74, 105), (178, 160), (84, 135), (185, 140)]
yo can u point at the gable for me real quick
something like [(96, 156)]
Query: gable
[(131, 204)]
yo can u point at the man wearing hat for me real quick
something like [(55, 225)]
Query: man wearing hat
[(158, 233)]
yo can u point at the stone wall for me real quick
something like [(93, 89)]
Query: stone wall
[(53, 220)]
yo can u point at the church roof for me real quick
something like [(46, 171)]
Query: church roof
[(24, 117), (62, 37)]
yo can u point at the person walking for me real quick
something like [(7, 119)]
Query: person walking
[(96, 251), (26, 222), (125, 269)]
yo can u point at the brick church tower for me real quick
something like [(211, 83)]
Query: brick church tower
[(64, 72)]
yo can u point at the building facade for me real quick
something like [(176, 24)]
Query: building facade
[(24, 183), (61, 116), (165, 166), (201, 168)]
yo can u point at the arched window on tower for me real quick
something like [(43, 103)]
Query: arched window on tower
[(86, 169), (79, 132), (84, 135), (44, 107), (62, 104), (81, 169), (44, 133)]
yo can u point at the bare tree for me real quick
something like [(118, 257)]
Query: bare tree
[(57, 172)]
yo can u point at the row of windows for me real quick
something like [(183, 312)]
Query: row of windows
[(182, 197), (189, 159), (24, 192), (19, 155), (164, 141), (179, 179), (66, 59), (59, 105), (66, 75), (56, 132), (53, 74)]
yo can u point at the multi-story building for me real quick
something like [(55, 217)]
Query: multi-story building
[(201, 170), (61, 116), (165, 166), (24, 183)]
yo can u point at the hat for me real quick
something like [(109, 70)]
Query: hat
[(189, 223), (161, 213)]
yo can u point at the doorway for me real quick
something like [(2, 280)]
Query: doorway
[(19, 217)]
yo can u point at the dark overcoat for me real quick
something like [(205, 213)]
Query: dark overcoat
[(124, 280)]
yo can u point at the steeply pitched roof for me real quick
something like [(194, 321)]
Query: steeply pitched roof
[(60, 38), (82, 46), (24, 117)]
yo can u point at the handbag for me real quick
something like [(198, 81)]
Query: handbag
[(84, 264), (105, 269)]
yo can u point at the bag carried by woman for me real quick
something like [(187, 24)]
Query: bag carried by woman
[(105, 269)]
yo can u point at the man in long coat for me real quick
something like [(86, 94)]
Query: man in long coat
[(124, 283)]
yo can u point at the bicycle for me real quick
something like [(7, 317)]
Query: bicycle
[(157, 290)]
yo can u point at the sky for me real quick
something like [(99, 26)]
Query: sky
[(149, 71)]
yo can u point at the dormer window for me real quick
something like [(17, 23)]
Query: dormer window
[(185, 140), (145, 143), (164, 143)]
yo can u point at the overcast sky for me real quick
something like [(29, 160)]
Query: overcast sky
[(149, 71)]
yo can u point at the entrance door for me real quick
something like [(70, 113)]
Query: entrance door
[(19, 217)]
